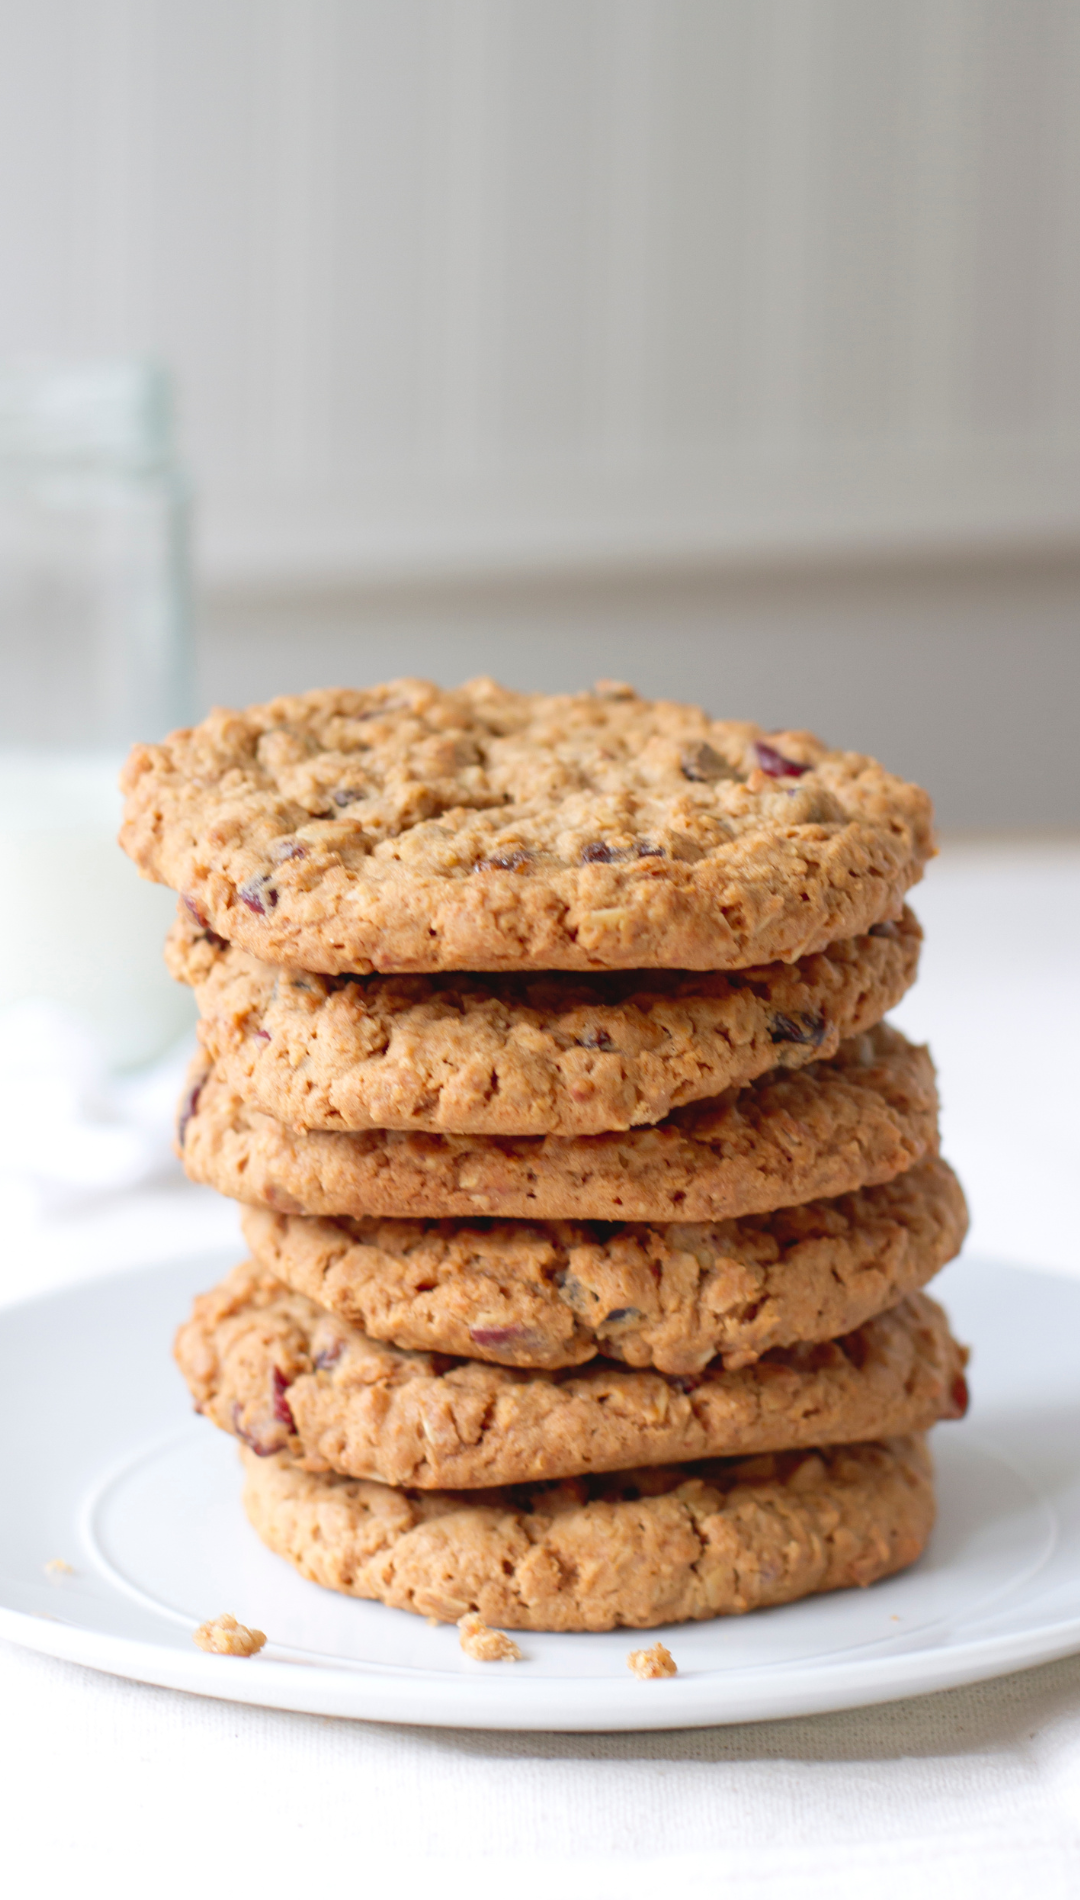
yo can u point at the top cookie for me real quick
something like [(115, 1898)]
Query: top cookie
[(404, 828)]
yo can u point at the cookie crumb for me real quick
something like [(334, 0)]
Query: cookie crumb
[(485, 1645), (650, 1664), (59, 1567), (226, 1637)]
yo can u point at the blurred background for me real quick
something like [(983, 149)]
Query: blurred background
[(725, 346)]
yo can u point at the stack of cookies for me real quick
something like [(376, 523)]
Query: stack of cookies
[(590, 1201)]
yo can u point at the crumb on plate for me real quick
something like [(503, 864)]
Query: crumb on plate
[(224, 1636), (59, 1567), (485, 1645), (649, 1665)]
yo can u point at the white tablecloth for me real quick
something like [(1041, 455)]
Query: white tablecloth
[(114, 1788)]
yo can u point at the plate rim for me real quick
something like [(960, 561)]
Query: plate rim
[(363, 1690), (427, 1696)]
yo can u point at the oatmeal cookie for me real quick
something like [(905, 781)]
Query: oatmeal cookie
[(407, 828), (551, 1294), (864, 1116), (285, 1375), (628, 1551), (524, 1055)]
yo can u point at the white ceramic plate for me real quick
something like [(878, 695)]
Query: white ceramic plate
[(117, 1478)]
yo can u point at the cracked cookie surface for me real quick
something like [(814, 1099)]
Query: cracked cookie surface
[(285, 1375), (867, 1114), (409, 828), (537, 1054), (522, 1293), (633, 1550)]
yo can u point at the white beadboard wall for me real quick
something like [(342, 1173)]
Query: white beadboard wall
[(486, 286)]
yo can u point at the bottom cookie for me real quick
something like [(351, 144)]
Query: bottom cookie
[(632, 1549)]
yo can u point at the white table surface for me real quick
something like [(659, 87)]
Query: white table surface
[(112, 1788)]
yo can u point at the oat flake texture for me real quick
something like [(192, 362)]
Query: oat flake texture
[(544, 1054), (284, 1375), (406, 828), (633, 1551), (867, 1114), (558, 1293)]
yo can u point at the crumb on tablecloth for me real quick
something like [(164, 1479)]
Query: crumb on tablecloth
[(59, 1567), (483, 1644), (649, 1665), (224, 1636)]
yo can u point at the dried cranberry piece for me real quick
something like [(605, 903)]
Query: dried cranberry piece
[(193, 910), (854, 1346), (287, 848), (188, 1106), (343, 795), (594, 1039), (959, 1396), (685, 1381), (494, 1335), (886, 929), (254, 1444), (262, 1035), (807, 1027), (258, 894), (510, 861), (775, 764), (647, 850), (601, 853), (282, 1408), (329, 1356)]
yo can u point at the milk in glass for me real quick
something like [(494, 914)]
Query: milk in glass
[(94, 654)]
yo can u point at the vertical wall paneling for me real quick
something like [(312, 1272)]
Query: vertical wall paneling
[(477, 283), (626, 201), (1064, 268), (1020, 132), (784, 139), (857, 320), (202, 279), (462, 172), (940, 138), (705, 205), (297, 124), (549, 106)]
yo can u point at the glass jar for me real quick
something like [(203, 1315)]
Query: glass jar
[(95, 651)]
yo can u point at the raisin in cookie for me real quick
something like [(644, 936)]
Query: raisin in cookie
[(631, 1550), (524, 1055), (524, 1293), (864, 1116), (285, 1375), (408, 828)]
